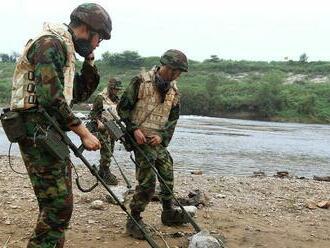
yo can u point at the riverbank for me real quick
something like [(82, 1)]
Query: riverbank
[(246, 211)]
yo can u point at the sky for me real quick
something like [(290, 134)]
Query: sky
[(233, 29)]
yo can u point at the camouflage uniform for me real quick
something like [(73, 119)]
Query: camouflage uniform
[(152, 105), (107, 142), (49, 175), (158, 154)]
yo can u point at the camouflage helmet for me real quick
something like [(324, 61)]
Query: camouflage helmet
[(115, 83), (94, 16), (175, 59)]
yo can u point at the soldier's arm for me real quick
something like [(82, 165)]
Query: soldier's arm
[(49, 57), (127, 103), (168, 131), (85, 83)]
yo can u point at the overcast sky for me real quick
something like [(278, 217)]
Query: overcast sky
[(233, 29)]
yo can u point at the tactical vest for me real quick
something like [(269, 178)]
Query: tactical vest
[(23, 94), (108, 104), (149, 113)]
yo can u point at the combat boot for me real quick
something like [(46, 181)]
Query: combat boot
[(133, 230), (172, 216), (107, 176)]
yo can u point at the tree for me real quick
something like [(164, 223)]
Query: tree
[(303, 58), (213, 59), (4, 57), (126, 59)]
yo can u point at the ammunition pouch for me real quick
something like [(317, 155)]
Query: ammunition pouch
[(52, 142), (13, 125)]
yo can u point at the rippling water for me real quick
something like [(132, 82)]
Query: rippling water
[(238, 147)]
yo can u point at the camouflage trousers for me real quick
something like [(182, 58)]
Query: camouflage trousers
[(106, 151), (146, 177), (51, 181)]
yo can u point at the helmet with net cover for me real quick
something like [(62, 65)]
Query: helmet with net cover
[(115, 83), (95, 17), (175, 59)]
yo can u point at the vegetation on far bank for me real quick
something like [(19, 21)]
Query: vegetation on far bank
[(297, 91)]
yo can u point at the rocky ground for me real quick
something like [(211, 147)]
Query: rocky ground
[(245, 211)]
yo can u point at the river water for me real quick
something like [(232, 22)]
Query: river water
[(236, 147)]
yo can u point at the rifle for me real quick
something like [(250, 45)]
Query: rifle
[(92, 127), (93, 170)]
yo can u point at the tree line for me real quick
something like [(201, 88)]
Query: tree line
[(212, 88)]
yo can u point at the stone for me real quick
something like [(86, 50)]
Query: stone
[(97, 205), (323, 204), (191, 210), (326, 178), (282, 174), (259, 174), (198, 172), (311, 205), (203, 239), (120, 191), (195, 198)]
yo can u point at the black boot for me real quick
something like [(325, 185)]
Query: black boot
[(133, 230), (172, 216), (107, 176)]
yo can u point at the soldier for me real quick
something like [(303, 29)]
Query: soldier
[(150, 109), (45, 77), (108, 98)]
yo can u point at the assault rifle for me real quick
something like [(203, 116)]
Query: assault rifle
[(93, 170)]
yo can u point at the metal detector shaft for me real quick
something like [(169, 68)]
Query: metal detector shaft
[(122, 173), (73, 147)]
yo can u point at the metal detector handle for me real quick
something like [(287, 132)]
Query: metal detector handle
[(85, 190)]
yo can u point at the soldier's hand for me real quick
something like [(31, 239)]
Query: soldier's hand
[(154, 140), (139, 137), (90, 142)]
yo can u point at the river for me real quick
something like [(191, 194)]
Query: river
[(237, 147)]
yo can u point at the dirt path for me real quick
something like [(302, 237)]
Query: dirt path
[(246, 211)]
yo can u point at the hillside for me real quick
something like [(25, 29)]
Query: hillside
[(279, 91)]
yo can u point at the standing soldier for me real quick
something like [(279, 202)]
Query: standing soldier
[(107, 99), (45, 77), (150, 109)]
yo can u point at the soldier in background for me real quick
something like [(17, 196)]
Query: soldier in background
[(45, 77), (107, 99), (150, 108)]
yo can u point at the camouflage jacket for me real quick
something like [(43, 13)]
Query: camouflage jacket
[(127, 103), (48, 54)]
